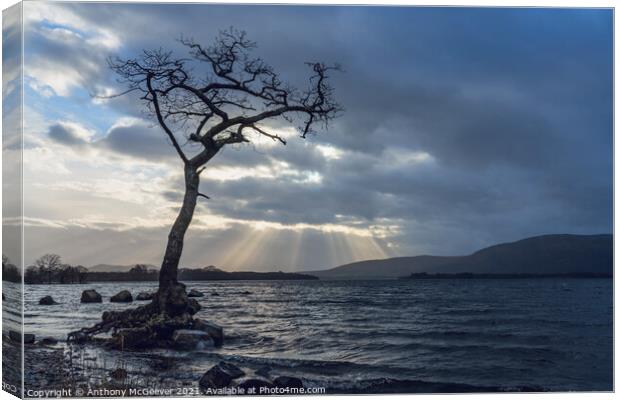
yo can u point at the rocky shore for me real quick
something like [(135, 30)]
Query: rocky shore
[(79, 369)]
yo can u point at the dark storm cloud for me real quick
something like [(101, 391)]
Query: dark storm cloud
[(67, 135), (513, 105), (139, 141)]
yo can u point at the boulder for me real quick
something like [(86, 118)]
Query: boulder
[(16, 336), (263, 371), (136, 338), (29, 338), (215, 294), (193, 306), (288, 382), (80, 337), (119, 374), (186, 339), (231, 369), (245, 292), (90, 296), (255, 384), (143, 296), (123, 296), (214, 330), (195, 293), (47, 301), (215, 378), (48, 341)]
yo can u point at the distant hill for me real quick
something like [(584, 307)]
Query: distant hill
[(548, 254)]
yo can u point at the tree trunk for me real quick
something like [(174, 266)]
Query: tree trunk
[(171, 297)]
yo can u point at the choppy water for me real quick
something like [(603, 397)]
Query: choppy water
[(554, 334)]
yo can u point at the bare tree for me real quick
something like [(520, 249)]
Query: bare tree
[(220, 95), (237, 94), (48, 264)]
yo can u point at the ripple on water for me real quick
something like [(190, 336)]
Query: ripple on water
[(480, 332)]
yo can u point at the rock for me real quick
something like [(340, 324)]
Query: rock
[(186, 339), (119, 374), (288, 382), (47, 301), (263, 371), (215, 294), (123, 296), (215, 378), (15, 336), (193, 306), (142, 296), (80, 337), (231, 369), (214, 330), (245, 292), (48, 341), (254, 384), (90, 296), (195, 293), (136, 338)]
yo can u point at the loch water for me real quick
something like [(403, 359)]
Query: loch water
[(538, 334)]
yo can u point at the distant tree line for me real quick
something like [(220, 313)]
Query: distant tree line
[(472, 275), (50, 269), (140, 273), (9, 271), (210, 273)]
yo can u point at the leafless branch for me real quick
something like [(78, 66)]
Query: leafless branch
[(235, 91)]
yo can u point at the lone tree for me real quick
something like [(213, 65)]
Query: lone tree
[(214, 98)]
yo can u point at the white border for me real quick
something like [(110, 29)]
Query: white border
[(477, 3)]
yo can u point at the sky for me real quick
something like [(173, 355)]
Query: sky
[(463, 128)]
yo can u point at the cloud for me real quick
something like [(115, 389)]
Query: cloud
[(450, 140), (138, 139), (69, 133)]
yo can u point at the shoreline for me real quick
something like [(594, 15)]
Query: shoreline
[(58, 369)]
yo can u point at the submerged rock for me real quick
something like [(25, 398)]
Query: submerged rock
[(193, 306), (288, 382), (16, 336), (48, 341), (90, 296), (231, 369), (142, 296), (186, 339), (263, 371), (133, 338), (215, 378), (119, 374), (254, 384), (195, 293), (80, 337), (214, 330), (47, 301), (123, 296)]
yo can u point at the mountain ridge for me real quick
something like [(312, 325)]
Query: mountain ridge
[(545, 254)]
